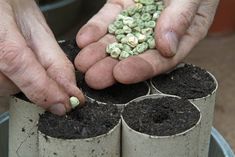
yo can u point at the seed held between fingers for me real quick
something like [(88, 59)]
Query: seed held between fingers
[(74, 102)]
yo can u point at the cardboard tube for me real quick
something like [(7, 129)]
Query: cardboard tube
[(136, 144), (107, 145), (206, 105), (23, 128)]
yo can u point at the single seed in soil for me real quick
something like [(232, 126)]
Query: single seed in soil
[(147, 31), (74, 102)]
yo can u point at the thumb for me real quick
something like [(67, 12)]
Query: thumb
[(173, 24)]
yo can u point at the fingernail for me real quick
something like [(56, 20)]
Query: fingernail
[(172, 41), (58, 109)]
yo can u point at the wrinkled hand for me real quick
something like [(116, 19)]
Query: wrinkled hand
[(31, 60), (180, 27)]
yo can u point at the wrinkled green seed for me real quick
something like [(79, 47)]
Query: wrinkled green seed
[(119, 31), (119, 37), (115, 52), (150, 24), (124, 55), (74, 102), (118, 24), (151, 43), (146, 17)]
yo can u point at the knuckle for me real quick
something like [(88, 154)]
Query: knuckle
[(10, 57), (202, 26), (184, 18)]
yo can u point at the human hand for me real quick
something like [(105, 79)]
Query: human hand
[(31, 60), (180, 27)]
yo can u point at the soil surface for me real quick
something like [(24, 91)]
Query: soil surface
[(116, 94), (89, 121), (188, 82), (70, 48), (161, 117)]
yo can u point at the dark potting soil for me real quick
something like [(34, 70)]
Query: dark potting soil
[(188, 82), (89, 121), (161, 117), (70, 48), (116, 94)]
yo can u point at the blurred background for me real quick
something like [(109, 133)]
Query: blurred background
[(216, 52)]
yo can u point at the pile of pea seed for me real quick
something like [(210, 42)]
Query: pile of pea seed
[(134, 29)]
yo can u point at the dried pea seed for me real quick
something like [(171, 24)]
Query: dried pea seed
[(137, 29), (74, 102), (115, 52), (141, 37), (151, 43), (150, 9), (132, 40), (119, 37), (126, 47), (136, 16), (124, 55), (112, 29), (118, 24), (147, 31), (150, 24), (160, 8), (124, 40), (127, 29), (156, 15), (119, 31), (131, 11), (146, 17)]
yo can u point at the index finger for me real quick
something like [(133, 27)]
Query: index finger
[(20, 65)]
